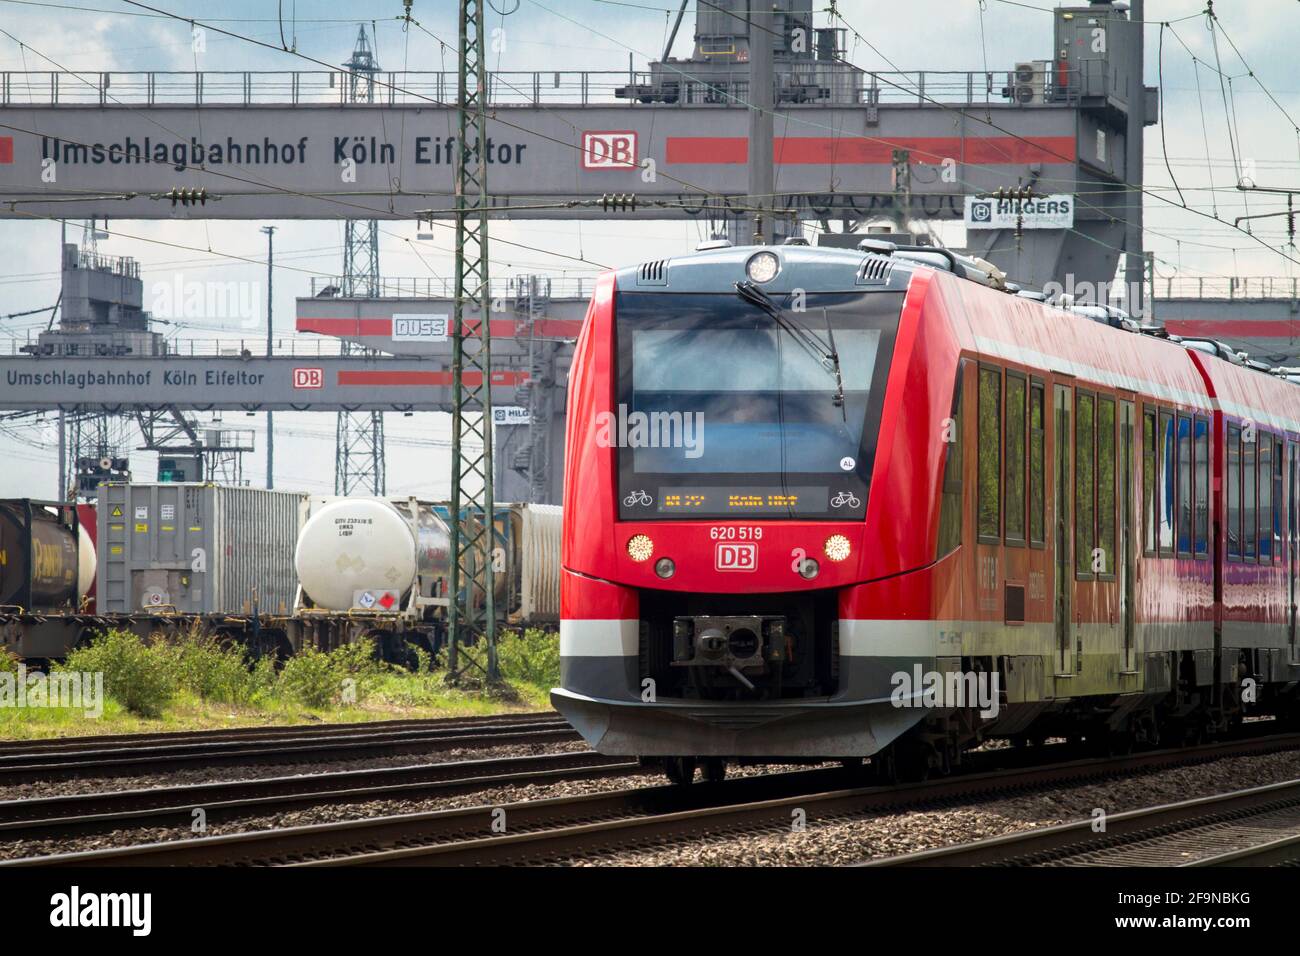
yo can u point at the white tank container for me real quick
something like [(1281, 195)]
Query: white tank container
[(85, 562), (352, 546)]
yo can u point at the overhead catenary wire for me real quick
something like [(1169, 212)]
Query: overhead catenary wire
[(958, 110), (962, 112), (1050, 151), (1160, 87), (730, 207)]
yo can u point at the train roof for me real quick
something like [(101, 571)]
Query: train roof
[(1091, 345), (1037, 335), (1241, 392), (810, 268)]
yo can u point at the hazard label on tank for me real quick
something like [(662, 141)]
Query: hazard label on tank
[(382, 600)]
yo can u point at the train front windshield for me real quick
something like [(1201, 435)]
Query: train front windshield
[(727, 411)]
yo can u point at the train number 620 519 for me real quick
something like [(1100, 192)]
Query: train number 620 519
[(730, 532)]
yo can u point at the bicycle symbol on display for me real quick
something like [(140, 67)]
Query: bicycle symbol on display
[(642, 498), (845, 499)]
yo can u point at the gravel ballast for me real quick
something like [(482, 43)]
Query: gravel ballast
[(853, 840), (828, 842)]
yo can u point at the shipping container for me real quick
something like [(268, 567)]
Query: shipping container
[(539, 559), (196, 548), (527, 584)]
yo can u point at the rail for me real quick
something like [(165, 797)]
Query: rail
[(597, 825), (816, 82)]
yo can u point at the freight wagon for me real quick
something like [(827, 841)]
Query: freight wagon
[(382, 568), (273, 570), (47, 569)]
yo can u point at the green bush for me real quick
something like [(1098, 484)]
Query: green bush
[(212, 670), (531, 657), (141, 677), (8, 662), (360, 663), (310, 678), (263, 678)]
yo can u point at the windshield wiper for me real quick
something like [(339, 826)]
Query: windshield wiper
[(827, 357)]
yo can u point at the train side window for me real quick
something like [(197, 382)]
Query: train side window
[(1233, 469), (950, 505), (1149, 509), (1249, 512), (1085, 482), (1184, 510), (1165, 484), (1265, 499), (1279, 501), (990, 455), (1106, 484), (1202, 448), (1015, 478), (1037, 466)]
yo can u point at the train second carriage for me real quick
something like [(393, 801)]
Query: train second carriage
[(843, 504)]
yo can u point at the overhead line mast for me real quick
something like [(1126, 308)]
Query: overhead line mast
[(471, 649), (359, 436)]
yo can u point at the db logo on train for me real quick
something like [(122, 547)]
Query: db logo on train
[(736, 557)]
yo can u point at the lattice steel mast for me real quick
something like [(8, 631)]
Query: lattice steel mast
[(471, 649), (359, 436)]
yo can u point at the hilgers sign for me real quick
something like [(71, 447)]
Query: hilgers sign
[(1041, 212)]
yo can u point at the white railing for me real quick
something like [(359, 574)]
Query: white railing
[(306, 346), (1227, 287), (512, 288), (815, 82)]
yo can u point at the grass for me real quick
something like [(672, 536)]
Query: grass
[(197, 683)]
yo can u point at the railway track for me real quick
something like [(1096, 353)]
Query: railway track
[(86, 757), (1259, 826), (234, 734), (48, 818), (595, 825)]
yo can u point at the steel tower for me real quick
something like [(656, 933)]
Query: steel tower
[(359, 436)]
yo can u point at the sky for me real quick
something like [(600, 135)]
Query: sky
[(1196, 144)]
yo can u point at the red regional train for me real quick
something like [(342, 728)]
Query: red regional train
[(836, 504)]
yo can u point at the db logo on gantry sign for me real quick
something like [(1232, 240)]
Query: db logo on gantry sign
[(609, 149), (309, 378)]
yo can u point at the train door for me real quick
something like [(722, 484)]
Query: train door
[(1064, 441), (1127, 548), (1293, 541)]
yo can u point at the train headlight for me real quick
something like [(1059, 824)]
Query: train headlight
[(808, 568), (665, 567), (640, 547), (837, 547), (763, 267)]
